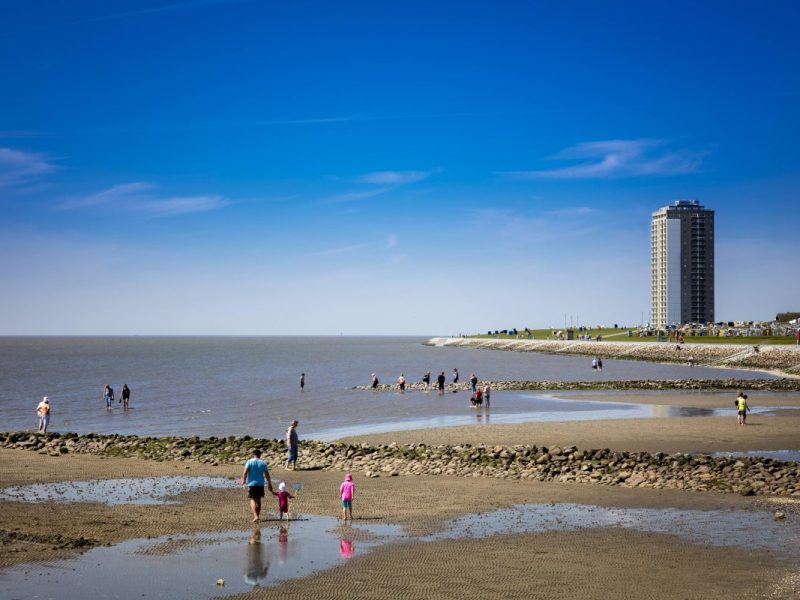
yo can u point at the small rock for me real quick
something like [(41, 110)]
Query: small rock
[(779, 515), (220, 583)]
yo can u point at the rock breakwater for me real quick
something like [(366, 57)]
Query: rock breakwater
[(763, 385), (784, 359), (742, 475)]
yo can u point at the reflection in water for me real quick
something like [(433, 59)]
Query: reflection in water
[(257, 564), (283, 543), (346, 548)]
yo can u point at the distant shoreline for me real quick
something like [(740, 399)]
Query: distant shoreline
[(779, 360)]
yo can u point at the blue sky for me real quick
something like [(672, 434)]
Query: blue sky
[(235, 167)]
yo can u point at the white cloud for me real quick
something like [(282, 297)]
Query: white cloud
[(140, 197), (19, 167), (393, 177), (618, 158)]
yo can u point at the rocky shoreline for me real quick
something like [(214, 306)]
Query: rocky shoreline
[(780, 359), (761, 385), (743, 475)]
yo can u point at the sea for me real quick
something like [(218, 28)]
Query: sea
[(234, 386)]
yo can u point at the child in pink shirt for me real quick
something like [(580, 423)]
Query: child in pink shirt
[(283, 500), (346, 491)]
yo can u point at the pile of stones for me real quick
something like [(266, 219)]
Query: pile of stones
[(743, 475), (763, 385)]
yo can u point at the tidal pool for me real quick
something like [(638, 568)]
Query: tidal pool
[(188, 566), (145, 490)]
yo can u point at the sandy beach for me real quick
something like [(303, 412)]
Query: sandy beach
[(591, 562)]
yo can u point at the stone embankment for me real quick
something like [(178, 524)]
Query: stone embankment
[(761, 385), (785, 359), (746, 475)]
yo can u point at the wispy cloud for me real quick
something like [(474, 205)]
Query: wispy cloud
[(618, 158), (362, 195), (573, 211), (142, 197), (19, 167), (393, 177)]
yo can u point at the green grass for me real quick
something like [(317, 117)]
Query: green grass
[(621, 335)]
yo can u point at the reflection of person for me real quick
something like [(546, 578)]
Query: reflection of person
[(346, 548), (126, 396), (741, 408), (346, 492), (283, 543), (43, 410), (291, 443), (283, 501), (255, 475), (108, 395), (257, 565)]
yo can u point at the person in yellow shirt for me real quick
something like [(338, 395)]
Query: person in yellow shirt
[(43, 410), (741, 408)]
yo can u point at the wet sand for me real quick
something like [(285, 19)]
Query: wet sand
[(778, 431), (592, 563)]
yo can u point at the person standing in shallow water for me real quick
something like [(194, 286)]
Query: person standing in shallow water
[(440, 382), (741, 408), (43, 410), (126, 396), (254, 476), (108, 395), (426, 380), (302, 381), (401, 381), (292, 443), (374, 381), (455, 375)]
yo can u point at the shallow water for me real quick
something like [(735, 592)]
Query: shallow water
[(145, 490), (526, 407), (188, 566), (784, 455), (250, 385)]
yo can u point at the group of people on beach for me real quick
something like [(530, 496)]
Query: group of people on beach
[(257, 479)]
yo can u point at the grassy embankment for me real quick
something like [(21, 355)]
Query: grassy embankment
[(621, 335)]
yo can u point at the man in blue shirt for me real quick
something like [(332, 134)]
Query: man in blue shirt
[(254, 475)]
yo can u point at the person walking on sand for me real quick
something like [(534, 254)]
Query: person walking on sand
[(126, 396), (283, 501), (302, 381), (374, 381), (108, 395), (487, 392), (741, 408), (440, 382), (346, 492), (473, 381), (426, 380), (254, 476), (291, 442), (401, 381), (43, 410)]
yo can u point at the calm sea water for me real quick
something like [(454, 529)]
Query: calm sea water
[(250, 385)]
